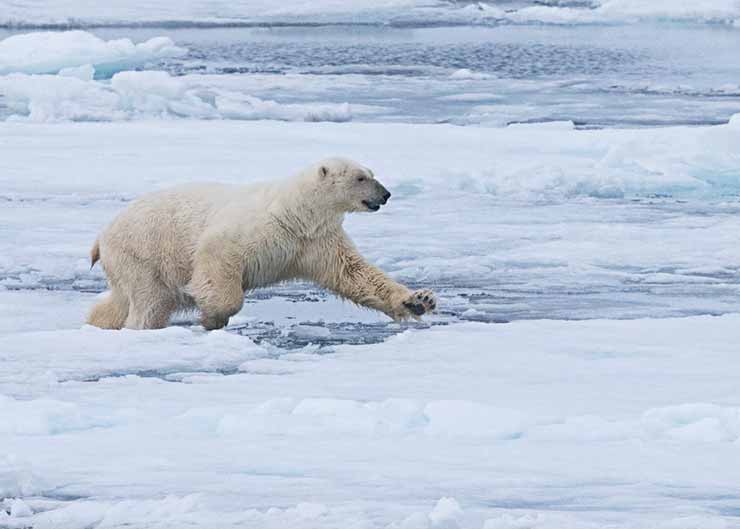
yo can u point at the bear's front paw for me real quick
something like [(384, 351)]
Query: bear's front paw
[(420, 302), (214, 322)]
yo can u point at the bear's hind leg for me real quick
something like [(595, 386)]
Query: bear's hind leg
[(152, 305), (111, 312)]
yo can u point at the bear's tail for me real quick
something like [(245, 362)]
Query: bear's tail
[(95, 254)]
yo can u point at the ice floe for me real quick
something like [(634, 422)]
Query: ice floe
[(50, 52)]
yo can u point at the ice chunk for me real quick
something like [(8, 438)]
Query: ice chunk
[(86, 72), (233, 105), (51, 52), (465, 73), (51, 98), (19, 509), (693, 422), (158, 94), (446, 514), (73, 96), (310, 332)]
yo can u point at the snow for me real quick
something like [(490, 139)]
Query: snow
[(50, 52)]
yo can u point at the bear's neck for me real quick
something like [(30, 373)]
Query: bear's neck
[(305, 217)]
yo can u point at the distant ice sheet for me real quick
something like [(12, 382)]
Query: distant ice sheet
[(466, 76), (73, 13)]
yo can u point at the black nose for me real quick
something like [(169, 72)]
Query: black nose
[(386, 196)]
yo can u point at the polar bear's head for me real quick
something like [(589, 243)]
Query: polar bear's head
[(349, 187)]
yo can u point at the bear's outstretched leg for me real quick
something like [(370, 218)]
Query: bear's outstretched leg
[(111, 312), (337, 266)]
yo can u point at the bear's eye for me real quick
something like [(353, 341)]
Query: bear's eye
[(361, 178)]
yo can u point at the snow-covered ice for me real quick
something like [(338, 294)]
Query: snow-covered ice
[(580, 424), (542, 423)]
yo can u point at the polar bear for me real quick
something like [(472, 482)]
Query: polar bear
[(204, 245)]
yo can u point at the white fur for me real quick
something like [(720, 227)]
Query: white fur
[(204, 245)]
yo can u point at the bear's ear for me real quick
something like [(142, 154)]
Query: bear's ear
[(323, 172)]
